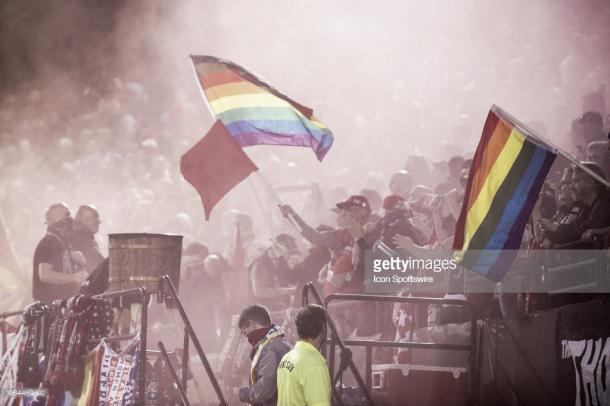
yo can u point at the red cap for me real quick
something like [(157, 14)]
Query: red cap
[(353, 202), (392, 201)]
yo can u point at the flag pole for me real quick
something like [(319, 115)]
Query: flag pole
[(538, 139), (205, 99), (276, 198), (272, 192), (261, 206)]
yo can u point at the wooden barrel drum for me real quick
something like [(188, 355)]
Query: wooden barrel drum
[(139, 260)]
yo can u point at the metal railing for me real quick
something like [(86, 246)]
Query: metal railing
[(369, 344), (179, 385), (166, 287), (6, 315), (3, 317), (336, 340), (598, 283)]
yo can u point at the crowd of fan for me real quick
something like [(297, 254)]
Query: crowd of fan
[(414, 209), (417, 216)]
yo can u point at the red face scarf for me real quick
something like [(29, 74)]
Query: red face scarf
[(257, 335)]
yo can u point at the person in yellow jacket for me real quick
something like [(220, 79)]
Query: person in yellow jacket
[(302, 375)]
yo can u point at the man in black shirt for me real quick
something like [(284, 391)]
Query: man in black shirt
[(58, 271)]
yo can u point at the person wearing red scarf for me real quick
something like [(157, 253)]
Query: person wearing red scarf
[(268, 348)]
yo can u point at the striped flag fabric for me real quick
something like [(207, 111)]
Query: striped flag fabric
[(506, 176), (254, 112)]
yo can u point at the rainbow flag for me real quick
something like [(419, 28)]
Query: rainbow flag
[(254, 112), (507, 173)]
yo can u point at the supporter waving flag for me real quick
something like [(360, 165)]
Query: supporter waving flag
[(507, 173), (254, 112), (248, 111)]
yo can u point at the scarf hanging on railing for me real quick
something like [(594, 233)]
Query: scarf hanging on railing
[(118, 373)]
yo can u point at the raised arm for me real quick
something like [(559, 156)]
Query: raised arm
[(326, 239)]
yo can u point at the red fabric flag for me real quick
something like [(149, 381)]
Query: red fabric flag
[(215, 165)]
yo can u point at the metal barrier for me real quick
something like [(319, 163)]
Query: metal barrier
[(369, 344), (4, 316), (167, 287), (10, 314), (598, 284), (179, 385)]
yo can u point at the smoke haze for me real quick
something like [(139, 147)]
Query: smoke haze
[(98, 99)]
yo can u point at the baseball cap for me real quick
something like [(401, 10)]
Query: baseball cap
[(355, 201), (392, 201)]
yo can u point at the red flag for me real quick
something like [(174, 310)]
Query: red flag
[(215, 165)]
